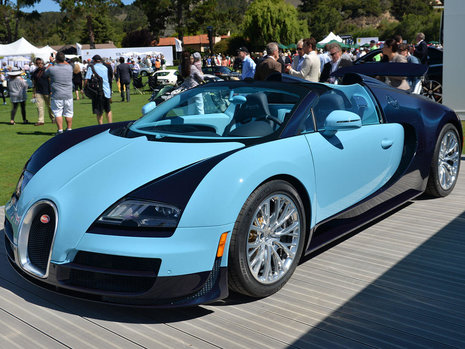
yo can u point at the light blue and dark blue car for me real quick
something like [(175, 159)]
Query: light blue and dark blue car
[(223, 187)]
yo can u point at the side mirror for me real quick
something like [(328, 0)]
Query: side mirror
[(148, 108), (341, 120)]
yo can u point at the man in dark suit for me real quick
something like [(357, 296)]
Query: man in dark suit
[(336, 63), (421, 49), (270, 64)]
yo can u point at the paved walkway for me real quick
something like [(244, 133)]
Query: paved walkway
[(398, 283)]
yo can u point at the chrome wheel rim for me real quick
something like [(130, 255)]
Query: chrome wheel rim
[(273, 238), (448, 160)]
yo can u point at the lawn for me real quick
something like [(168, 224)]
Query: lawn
[(18, 142)]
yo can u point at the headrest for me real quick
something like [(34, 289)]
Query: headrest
[(256, 107)]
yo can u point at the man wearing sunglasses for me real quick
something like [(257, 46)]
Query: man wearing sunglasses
[(298, 59), (337, 62), (310, 69)]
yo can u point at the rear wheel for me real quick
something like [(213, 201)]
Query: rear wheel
[(267, 240), (433, 90), (446, 163)]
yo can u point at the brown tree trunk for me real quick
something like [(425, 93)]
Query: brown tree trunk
[(90, 29)]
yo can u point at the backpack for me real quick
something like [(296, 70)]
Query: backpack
[(94, 86)]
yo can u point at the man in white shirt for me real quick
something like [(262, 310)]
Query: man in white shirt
[(310, 69)]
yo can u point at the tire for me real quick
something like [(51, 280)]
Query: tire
[(446, 163), (432, 89), (261, 262)]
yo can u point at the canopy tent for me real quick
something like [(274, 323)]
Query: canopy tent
[(45, 53), (22, 47), (331, 37), (333, 41)]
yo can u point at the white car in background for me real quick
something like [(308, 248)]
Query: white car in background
[(167, 77)]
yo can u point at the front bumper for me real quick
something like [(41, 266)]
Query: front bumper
[(125, 278)]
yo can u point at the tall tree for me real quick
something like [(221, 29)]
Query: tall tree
[(10, 14), (89, 10), (167, 12), (400, 8), (273, 20)]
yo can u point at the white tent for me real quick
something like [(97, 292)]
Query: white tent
[(22, 47), (44, 53), (331, 36)]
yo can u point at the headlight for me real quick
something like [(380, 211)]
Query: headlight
[(138, 213), (23, 181)]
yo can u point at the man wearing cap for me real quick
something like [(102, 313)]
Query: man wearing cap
[(248, 65), (101, 103), (61, 82)]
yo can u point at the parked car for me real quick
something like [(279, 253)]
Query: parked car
[(432, 83), (225, 186), (223, 72), (144, 71), (167, 77)]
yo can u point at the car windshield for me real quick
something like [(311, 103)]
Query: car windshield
[(223, 110), (163, 73)]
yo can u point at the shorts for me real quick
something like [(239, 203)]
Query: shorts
[(62, 107), (100, 105)]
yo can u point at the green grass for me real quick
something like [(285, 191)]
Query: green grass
[(18, 142)]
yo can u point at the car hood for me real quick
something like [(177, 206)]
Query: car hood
[(86, 179)]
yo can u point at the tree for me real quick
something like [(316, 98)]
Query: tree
[(273, 20), (400, 8), (138, 38), (208, 13), (160, 12), (11, 13), (323, 20), (89, 10)]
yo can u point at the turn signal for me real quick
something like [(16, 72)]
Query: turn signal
[(221, 245)]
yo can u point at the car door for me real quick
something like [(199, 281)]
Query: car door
[(352, 164)]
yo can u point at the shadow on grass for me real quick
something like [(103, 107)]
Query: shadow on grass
[(36, 133)]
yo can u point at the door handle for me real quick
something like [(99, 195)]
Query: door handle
[(386, 143)]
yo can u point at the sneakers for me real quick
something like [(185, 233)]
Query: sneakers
[(59, 132)]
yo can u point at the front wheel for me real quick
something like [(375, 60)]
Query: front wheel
[(446, 163), (267, 240)]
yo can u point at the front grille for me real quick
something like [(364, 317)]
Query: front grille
[(110, 273), (41, 237)]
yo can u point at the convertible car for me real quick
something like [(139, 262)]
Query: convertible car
[(223, 187)]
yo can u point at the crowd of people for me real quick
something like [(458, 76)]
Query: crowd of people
[(315, 65), (56, 83)]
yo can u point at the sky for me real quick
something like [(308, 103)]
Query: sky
[(51, 5)]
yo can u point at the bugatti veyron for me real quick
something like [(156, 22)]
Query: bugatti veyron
[(223, 187)]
